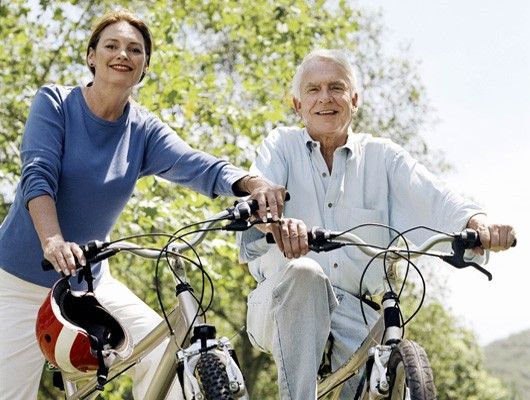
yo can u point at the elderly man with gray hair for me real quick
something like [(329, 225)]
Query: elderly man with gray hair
[(337, 179)]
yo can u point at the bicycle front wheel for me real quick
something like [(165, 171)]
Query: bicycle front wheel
[(213, 378), (409, 373)]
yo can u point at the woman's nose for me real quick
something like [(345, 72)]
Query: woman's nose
[(123, 54)]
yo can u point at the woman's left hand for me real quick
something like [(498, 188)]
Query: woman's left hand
[(267, 194)]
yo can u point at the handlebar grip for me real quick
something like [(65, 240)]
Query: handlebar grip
[(46, 265), (254, 204), (471, 239), (314, 236)]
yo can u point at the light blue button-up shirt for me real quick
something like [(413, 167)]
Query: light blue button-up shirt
[(373, 180)]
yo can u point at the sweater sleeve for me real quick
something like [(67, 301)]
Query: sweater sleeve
[(169, 157), (42, 145)]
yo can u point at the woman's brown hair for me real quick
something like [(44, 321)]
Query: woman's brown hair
[(117, 16)]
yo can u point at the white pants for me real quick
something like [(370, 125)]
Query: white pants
[(21, 360), (291, 313)]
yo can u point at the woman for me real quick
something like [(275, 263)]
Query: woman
[(82, 152)]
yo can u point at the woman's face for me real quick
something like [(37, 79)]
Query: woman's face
[(119, 58)]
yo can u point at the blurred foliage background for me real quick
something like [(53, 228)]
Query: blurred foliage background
[(220, 77)]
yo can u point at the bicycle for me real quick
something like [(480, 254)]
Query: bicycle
[(393, 367), (206, 366)]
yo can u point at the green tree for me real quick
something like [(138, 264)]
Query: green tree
[(457, 360), (219, 76)]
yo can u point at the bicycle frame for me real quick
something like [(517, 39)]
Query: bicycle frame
[(331, 386), (374, 345), (182, 319)]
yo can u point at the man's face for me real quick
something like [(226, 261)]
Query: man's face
[(327, 102)]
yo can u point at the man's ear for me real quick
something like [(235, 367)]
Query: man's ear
[(355, 100), (296, 105)]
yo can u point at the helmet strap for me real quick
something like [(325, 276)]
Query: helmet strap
[(86, 274), (103, 370)]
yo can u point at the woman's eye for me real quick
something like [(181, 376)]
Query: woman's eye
[(110, 46), (136, 50)]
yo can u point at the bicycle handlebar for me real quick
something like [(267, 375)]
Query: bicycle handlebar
[(320, 239), (239, 213)]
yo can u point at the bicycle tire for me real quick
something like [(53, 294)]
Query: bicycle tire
[(409, 373), (213, 378)]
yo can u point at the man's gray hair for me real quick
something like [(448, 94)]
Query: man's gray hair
[(337, 56)]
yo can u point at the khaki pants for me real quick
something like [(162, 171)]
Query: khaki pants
[(291, 313)]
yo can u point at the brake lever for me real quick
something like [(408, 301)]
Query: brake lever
[(457, 258), (326, 246), (237, 225)]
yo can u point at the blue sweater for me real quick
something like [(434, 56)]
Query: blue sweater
[(90, 166)]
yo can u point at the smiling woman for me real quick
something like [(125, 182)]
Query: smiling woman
[(94, 139), (144, 46), (118, 56)]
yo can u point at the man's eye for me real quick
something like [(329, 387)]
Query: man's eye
[(312, 90)]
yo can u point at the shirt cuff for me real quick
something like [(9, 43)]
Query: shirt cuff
[(252, 244)]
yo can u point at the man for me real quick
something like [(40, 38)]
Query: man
[(337, 180)]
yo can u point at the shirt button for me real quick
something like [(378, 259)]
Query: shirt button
[(330, 205), (324, 174), (335, 265)]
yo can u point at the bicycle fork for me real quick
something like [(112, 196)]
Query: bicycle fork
[(380, 354), (203, 341)]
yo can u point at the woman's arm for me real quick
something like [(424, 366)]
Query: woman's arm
[(60, 253)]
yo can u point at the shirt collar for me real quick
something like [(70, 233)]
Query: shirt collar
[(351, 142)]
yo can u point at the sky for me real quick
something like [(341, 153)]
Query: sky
[(475, 65), (474, 60)]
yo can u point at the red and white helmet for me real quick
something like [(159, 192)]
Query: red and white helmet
[(75, 332)]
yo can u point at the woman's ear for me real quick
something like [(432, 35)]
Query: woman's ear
[(90, 58)]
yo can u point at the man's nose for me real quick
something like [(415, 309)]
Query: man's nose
[(325, 96)]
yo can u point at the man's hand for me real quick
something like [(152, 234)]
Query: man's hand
[(291, 237), (496, 237)]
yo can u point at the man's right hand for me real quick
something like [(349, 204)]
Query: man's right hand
[(290, 235)]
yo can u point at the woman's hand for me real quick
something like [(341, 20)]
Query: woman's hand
[(63, 255), (56, 250), (266, 193)]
